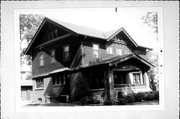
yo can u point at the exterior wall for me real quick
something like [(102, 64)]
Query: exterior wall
[(88, 55), (49, 90), (40, 93), (134, 88), (26, 93), (74, 44)]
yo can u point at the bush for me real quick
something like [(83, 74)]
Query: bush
[(121, 101), (129, 98), (87, 100), (136, 97), (139, 96), (120, 95), (90, 100), (154, 95)]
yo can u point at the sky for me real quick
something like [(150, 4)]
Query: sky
[(106, 19)]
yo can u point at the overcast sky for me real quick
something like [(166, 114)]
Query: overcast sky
[(106, 19)]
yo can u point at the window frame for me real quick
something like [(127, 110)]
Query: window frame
[(41, 60), (109, 50), (95, 51), (37, 85), (59, 80), (117, 51), (140, 80), (53, 56), (64, 53), (56, 33)]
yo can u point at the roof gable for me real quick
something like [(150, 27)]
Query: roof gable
[(81, 30)]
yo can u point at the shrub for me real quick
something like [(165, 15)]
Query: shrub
[(154, 95), (98, 99), (139, 96), (121, 101), (120, 95), (90, 100), (87, 100), (129, 98)]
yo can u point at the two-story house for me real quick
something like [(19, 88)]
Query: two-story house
[(71, 61)]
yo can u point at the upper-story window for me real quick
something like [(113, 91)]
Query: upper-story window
[(118, 51), (53, 55), (56, 33), (109, 50), (52, 34), (66, 53), (95, 50), (41, 60)]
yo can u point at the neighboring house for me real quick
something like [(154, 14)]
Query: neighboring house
[(26, 84), (71, 61)]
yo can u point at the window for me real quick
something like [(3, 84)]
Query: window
[(137, 78), (52, 34), (39, 83), (109, 50), (58, 80), (95, 50), (53, 56), (66, 53), (56, 32), (119, 77), (118, 51), (96, 80), (41, 60)]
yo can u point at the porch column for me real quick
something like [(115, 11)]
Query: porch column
[(109, 87)]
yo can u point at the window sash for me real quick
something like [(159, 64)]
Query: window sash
[(118, 51), (41, 60), (109, 50), (39, 83), (53, 55), (137, 79), (66, 52)]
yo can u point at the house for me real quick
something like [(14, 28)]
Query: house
[(26, 84), (71, 61)]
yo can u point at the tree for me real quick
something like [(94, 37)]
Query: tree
[(151, 20), (29, 24)]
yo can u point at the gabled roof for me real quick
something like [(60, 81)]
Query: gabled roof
[(121, 58), (81, 30), (112, 61)]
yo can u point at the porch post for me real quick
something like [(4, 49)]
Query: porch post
[(109, 87)]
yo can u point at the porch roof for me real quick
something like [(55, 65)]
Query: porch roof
[(119, 59), (109, 62)]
